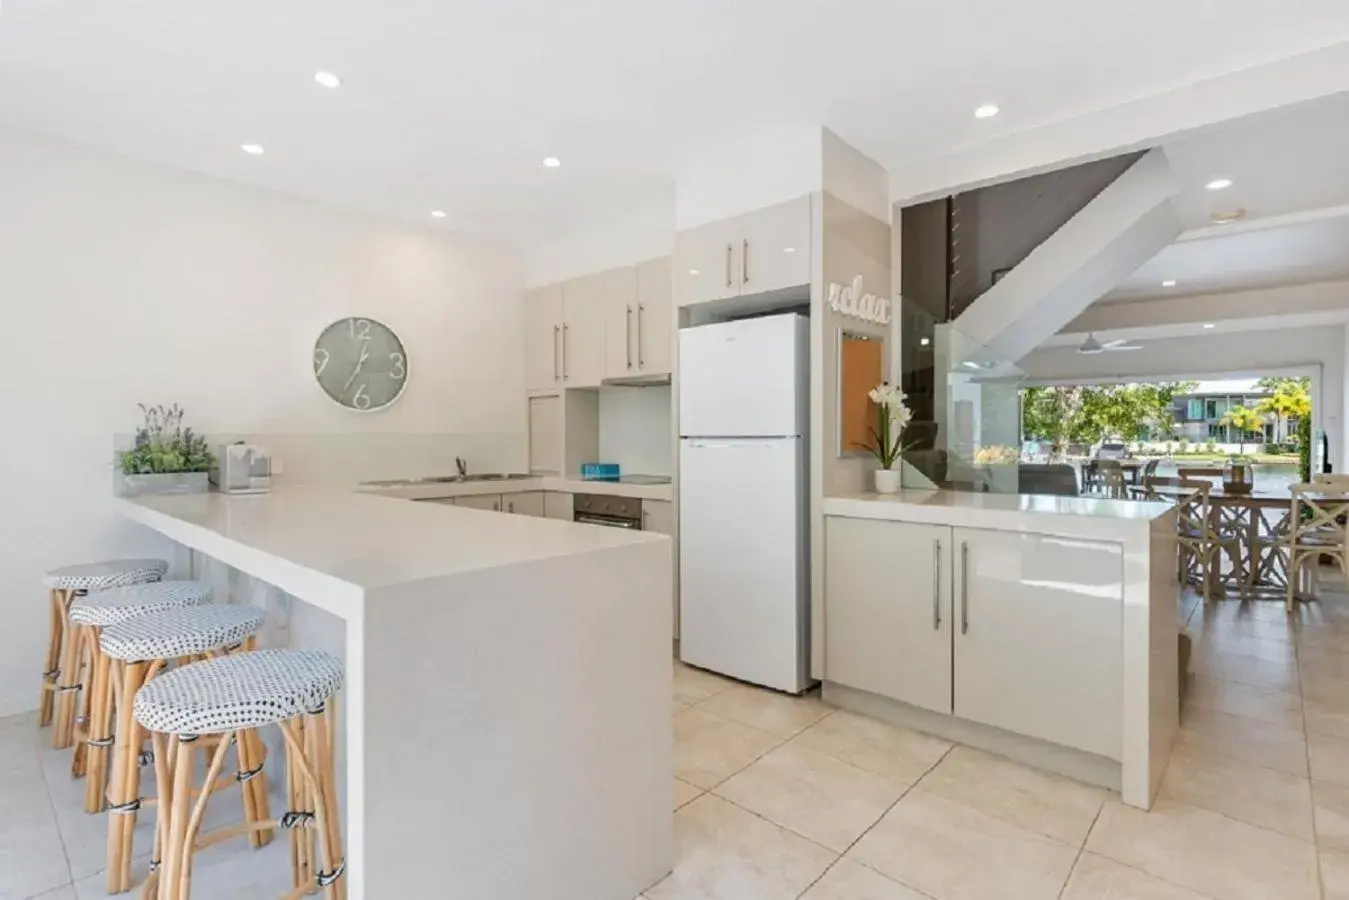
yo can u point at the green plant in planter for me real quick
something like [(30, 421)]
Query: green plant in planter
[(164, 446), (1304, 448)]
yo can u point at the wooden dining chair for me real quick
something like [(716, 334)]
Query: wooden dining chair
[(1112, 483), (1336, 481), (1202, 541), (1316, 527)]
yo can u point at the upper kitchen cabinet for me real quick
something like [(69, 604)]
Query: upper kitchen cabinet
[(754, 253), (655, 317), (775, 247), (543, 338), (582, 350), (621, 321)]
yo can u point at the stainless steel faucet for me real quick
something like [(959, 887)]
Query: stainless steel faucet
[(462, 466)]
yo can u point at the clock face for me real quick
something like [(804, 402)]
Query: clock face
[(360, 363)]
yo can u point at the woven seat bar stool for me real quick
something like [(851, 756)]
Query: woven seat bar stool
[(139, 649), (63, 586), (228, 696), (89, 615)]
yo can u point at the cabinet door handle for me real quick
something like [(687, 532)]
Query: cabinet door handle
[(640, 361), (557, 336), (728, 265), (510, 506), (964, 587), (565, 327), (627, 337), (936, 585), (744, 262), (496, 506)]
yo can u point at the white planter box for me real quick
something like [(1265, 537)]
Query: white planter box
[(165, 483)]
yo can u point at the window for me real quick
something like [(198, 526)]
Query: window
[(1214, 409), (1195, 409), (1217, 432)]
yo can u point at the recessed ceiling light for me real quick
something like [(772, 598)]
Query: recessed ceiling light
[(327, 79), (788, 249), (693, 271), (987, 111), (1218, 184), (437, 213), (252, 149), (923, 342), (1170, 282), (1208, 324), (551, 162)]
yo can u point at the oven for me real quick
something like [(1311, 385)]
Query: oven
[(612, 512)]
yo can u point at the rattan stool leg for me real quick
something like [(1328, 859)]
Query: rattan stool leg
[(176, 815), (99, 738), (68, 686), (124, 796), (58, 603)]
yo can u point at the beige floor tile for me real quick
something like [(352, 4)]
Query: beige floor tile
[(1206, 851), (1238, 699), (1331, 805), (1335, 874), (817, 796), (1322, 666), (692, 685), (685, 792), (1242, 790), (847, 880), (1329, 758), (723, 852), (1272, 746), (677, 707), (1245, 669), (1225, 641), (709, 749), (770, 711), (1051, 805), (948, 850), (1097, 878), (1327, 712), (868, 744)]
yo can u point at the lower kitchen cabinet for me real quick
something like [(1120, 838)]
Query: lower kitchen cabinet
[(557, 505), (1018, 631), (480, 501), (1038, 648), (658, 516), (525, 503), (888, 609)]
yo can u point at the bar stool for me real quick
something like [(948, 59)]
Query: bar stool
[(230, 696), (139, 649), (88, 616), (63, 585)]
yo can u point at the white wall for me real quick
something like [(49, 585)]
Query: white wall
[(645, 234), (770, 166), (1318, 350), (635, 429), (122, 282)]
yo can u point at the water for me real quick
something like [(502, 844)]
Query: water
[(1268, 476)]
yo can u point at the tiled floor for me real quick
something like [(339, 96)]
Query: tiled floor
[(777, 797)]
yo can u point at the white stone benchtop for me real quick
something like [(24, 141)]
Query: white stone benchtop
[(560, 484), (1086, 517)]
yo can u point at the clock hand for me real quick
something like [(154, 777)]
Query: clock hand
[(365, 354)]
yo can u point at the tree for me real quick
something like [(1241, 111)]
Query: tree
[(1088, 413), (1244, 419), (1291, 399)]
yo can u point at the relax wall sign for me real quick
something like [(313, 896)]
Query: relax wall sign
[(849, 300)]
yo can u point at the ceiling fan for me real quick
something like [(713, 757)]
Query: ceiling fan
[(1091, 345)]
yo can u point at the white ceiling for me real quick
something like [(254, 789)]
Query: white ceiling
[(452, 104), (1294, 254)]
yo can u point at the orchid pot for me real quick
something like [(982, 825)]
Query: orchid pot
[(887, 437)]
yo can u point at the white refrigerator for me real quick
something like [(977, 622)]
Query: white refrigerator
[(744, 544)]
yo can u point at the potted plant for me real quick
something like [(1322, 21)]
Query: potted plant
[(892, 417), (166, 458)]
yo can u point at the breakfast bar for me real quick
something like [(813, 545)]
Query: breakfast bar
[(506, 708)]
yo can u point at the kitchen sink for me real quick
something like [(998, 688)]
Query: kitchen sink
[(447, 479)]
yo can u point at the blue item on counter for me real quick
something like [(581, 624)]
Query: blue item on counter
[(599, 471)]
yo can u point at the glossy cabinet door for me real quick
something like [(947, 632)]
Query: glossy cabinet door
[(524, 503), (620, 322), (774, 247), (1038, 637), (582, 348), (658, 516), (707, 262), (887, 625), (557, 505), (480, 501), (543, 338), (655, 317)]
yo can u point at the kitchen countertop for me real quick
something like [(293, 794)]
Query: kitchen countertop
[(1041, 514), (330, 545), (443, 490)]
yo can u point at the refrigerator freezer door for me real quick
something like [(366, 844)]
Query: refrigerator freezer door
[(745, 378), (742, 560)]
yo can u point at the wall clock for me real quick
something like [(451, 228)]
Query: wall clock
[(361, 364)]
